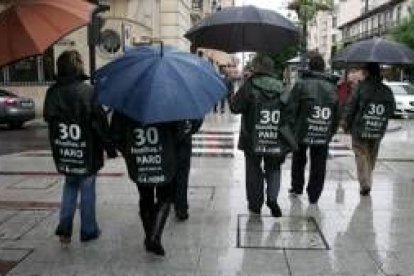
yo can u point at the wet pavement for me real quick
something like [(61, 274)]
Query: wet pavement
[(343, 235)]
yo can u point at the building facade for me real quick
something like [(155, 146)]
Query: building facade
[(353, 20), (323, 34), (126, 23), (377, 18)]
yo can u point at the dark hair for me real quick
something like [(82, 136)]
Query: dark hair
[(262, 63), (316, 62), (70, 63), (374, 70)]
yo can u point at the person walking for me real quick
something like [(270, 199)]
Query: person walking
[(149, 153), (78, 134), (367, 119), (345, 90), (227, 81), (186, 129), (264, 133), (316, 108)]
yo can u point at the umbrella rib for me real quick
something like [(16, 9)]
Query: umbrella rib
[(400, 50), (18, 11), (183, 81), (145, 105)]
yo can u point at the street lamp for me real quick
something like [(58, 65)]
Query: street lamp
[(94, 29)]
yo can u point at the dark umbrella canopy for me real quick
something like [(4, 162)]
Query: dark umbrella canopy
[(377, 50), (244, 29)]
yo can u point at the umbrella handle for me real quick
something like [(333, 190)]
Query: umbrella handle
[(161, 45), (152, 42)]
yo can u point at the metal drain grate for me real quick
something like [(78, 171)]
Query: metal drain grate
[(290, 233)]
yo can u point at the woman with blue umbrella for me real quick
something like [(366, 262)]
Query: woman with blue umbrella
[(153, 89), (149, 152)]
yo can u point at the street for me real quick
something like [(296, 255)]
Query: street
[(30, 137), (373, 234)]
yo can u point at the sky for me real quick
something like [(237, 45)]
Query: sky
[(276, 5)]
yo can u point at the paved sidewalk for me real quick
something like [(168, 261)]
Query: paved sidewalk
[(344, 235)]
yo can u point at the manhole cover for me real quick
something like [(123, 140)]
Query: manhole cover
[(266, 232)]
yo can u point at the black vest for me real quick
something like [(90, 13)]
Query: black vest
[(267, 122), (150, 153), (319, 116), (372, 119), (72, 147)]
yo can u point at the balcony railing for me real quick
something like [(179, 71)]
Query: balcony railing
[(377, 31)]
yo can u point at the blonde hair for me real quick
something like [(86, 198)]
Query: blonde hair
[(70, 63)]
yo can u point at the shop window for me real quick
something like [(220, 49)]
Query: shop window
[(24, 70)]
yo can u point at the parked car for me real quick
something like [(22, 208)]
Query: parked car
[(15, 110), (404, 97)]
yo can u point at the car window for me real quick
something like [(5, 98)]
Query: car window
[(4, 93), (409, 89), (402, 89)]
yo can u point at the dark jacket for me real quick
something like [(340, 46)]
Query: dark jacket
[(78, 128), (316, 108), (368, 96), (149, 150), (261, 88)]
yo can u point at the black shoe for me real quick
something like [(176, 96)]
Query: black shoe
[(181, 215), (64, 240), (255, 211), (155, 247), (275, 209), (365, 191), (86, 238), (295, 192), (64, 236), (313, 201)]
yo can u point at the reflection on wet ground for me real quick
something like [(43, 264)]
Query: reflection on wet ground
[(343, 235)]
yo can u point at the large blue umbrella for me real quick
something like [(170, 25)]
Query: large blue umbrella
[(153, 84)]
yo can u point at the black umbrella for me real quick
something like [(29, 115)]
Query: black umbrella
[(377, 50), (244, 29)]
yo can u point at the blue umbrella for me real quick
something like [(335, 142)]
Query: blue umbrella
[(153, 84)]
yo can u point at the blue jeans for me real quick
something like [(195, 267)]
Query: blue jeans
[(86, 185)]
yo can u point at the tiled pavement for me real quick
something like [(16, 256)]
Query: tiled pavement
[(343, 235)]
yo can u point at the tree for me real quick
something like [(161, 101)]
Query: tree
[(404, 33), (306, 11), (280, 59)]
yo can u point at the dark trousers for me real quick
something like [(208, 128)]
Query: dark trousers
[(149, 197), (318, 156), (183, 156), (255, 177), (222, 105)]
